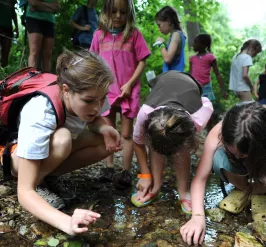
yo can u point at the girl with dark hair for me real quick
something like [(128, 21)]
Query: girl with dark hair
[(167, 124), (240, 82), (200, 66), (236, 150), (123, 47), (261, 83), (174, 52)]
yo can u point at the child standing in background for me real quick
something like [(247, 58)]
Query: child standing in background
[(240, 82), (200, 66), (174, 52), (123, 47), (262, 88)]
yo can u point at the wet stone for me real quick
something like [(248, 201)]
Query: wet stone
[(260, 228), (215, 214), (4, 190)]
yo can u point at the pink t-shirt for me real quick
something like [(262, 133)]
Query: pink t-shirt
[(200, 67), (123, 60), (200, 119)]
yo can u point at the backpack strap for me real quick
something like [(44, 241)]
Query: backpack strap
[(53, 94)]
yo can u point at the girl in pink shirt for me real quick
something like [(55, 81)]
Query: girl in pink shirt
[(123, 47), (201, 64), (200, 68)]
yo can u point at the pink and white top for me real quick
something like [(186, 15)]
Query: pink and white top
[(122, 58), (200, 67), (200, 119)]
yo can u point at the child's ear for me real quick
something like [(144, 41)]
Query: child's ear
[(65, 91)]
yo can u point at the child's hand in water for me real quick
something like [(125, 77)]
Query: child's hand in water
[(194, 230), (125, 90), (80, 219), (111, 137), (143, 186)]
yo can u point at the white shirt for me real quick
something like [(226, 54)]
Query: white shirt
[(237, 83), (38, 123)]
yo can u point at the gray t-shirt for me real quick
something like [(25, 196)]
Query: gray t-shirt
[(237, 83), (38, 123)]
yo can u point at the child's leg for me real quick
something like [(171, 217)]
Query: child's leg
[(245, 96), (126, 134), (111, 119), (227, 172), (87, 149), (181, 162), (157, 162)]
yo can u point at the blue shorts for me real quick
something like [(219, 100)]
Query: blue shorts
[(221, 163), (208, 92)]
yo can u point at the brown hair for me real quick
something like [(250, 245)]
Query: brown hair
[(169, 14), (251, 43), (105, 20), (169, 130), (82, 70)]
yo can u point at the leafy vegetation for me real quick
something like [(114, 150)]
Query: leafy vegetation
[(210, 14)]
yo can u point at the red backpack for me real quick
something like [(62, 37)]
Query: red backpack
[(16, 90)]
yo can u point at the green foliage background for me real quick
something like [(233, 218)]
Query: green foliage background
[(211, 15)]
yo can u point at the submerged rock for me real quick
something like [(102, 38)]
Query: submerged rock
[(260, 228), (244, 240), (215, 214)]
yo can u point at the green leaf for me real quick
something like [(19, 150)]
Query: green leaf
[(53, 242), (40, 242)]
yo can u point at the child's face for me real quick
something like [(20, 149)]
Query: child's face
[(233, 150), (119, 13), (85, 105), (164, 26)]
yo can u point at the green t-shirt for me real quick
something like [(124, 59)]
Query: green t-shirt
[(6, 13), (41, 15)]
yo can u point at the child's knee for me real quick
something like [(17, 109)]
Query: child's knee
[(61, 142), (126, 136)]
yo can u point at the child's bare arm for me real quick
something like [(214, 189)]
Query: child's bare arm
[(246, 77), (256, 88), (126, 89), (195, 228), (219, 78), (168, 55)]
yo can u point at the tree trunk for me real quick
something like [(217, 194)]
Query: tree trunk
[(193, 28)]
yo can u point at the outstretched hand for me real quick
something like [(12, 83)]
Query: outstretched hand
[(80, 220), (111, 137), (194, 230)]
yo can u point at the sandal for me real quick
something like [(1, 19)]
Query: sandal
[(140, 204), (188, 201), (258, 207)]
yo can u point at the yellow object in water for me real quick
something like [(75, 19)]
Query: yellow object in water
[(234, 202), (258, 207), (245, 240)]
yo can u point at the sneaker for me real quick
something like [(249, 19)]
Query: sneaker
[(123, 180), (107, 174), (56, 186), (53, 199)]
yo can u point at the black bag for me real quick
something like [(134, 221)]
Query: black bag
[(76, 32)]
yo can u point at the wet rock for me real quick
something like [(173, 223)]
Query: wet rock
[(215, 214), (244, 240), (163, 243), (149, 245), (225, 238), (159, 234), (101, 223), (40, 242), (260, 228), (12, 223), (41, 230), (23, 230), (226, 244), (4, 228), (4, 190)]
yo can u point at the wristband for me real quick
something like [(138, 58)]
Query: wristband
[(198, 215), (161, 45), (144, 175)]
